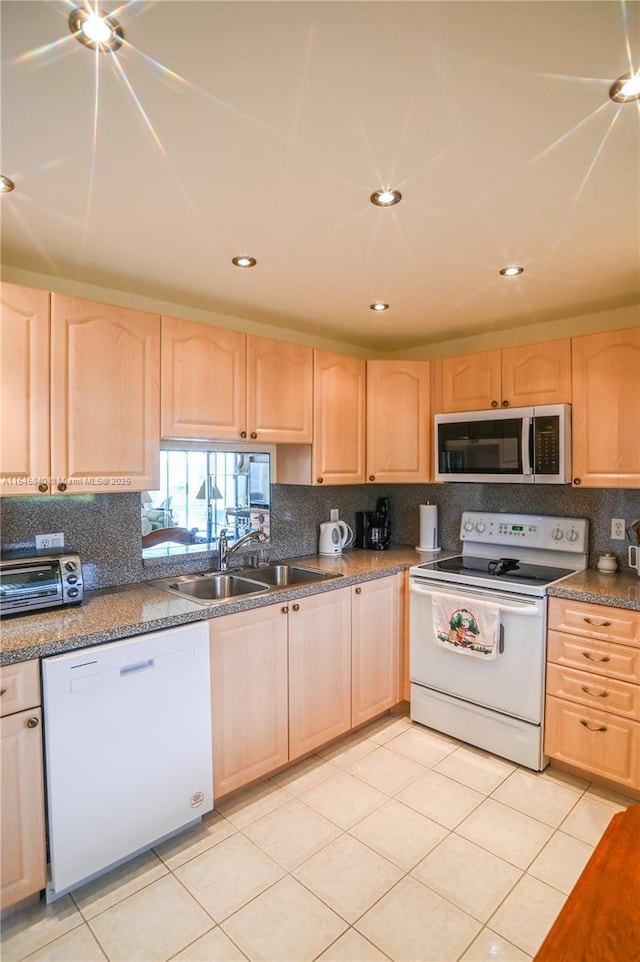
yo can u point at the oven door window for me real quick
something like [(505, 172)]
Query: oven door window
[(481, 447)]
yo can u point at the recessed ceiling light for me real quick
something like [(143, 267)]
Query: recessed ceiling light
[(96, 30), (379, 306), (6, 184), (626, 88), (386, 197), (244, 261), (511, 271)]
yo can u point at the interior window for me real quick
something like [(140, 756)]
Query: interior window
[(203, 491)]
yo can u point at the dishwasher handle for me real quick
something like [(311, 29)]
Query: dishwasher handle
[(137, 666)]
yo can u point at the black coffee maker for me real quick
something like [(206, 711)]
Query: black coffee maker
[(372, 527)]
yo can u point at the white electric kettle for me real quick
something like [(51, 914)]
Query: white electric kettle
[(334, 536)]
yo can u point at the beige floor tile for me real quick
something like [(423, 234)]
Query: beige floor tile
[(606, 795), (119, 883), (559, 777), (351, 947), (348, 876), (79, 945), (343, 799), (348, 750), (412, 922), (589, 819), (490, 946), (287, 923), (229, 875), (304, 775), (422, 745), (292, 833), (28, 929), (399, 833), (511, 835), (179, 849), (214, 946), (440, 798), (537, 796), (561, 861), (250, 805), (475, 768), (388, 771), (472, 878), (383, 729), (528, 913), (151, 925)]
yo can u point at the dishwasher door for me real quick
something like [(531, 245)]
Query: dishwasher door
[(127, 748)]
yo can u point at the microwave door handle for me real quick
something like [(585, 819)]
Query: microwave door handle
[(527, 444)]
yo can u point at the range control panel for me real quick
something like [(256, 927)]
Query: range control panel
[(526, 530)]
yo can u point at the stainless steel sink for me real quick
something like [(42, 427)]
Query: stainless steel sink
[(213, 587), (287, 575)]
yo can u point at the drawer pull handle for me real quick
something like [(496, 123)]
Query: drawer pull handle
[(597, 624), (587, 654), (3, 691), (597, 694), (600, 728)]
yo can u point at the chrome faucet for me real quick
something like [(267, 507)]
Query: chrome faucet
[(227, 552)]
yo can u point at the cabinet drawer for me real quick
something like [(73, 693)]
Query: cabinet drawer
[(612, 661), (594, 741), (597, 691), (595, 621), (19, 687)]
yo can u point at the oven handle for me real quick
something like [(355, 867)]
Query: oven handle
[(528, 610)]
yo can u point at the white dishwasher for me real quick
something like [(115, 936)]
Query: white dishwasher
[(127, 748)]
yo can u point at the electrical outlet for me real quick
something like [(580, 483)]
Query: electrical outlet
[(44, 541), (617, 529), (333, 516)]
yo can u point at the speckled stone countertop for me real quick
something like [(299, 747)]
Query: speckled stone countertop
[(115, 613), (621, 590)]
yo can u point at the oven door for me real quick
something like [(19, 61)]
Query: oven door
[(513, 682)]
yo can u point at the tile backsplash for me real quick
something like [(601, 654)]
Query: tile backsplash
[(105, 529)]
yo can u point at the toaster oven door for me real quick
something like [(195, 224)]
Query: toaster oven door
[(30, 587)]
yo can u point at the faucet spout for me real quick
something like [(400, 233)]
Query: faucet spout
[(227, 552)]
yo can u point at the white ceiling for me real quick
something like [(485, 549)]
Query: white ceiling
[(223, 128)]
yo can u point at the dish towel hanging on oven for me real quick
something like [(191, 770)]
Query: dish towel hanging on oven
[(470, 630)]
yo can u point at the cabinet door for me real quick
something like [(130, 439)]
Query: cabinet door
[(375, 648), (249, 696), (398, 421), (319, 670), (203, 381), (279, 391), (606, 399), (471, 382), (24, 390), (338, 419), (105, 363), (23, 859), (537, 374)]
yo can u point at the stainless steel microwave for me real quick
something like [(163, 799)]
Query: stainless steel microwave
[(511, 445)]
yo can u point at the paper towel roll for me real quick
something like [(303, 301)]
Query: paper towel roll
[(429, 528)]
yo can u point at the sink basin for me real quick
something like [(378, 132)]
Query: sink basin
[(213, 587), (287, 575)]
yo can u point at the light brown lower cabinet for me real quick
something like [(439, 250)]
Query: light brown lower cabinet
[(23, 854), (376, 619)]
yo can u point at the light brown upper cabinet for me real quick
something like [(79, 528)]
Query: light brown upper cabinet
[(99, 364), (606, 406), (337, 455), (225, 385), (398, 421), (24, 390), (512, 377)]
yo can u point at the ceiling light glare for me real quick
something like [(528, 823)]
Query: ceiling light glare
[(6, 185), (244, 261), (379, 306), (96, 30), (511, 271), (385, 197), (626, 88)]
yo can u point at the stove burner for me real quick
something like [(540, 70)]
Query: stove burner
[(503, 566)]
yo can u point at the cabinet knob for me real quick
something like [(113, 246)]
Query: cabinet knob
[(3, 691), (243, 434), (296, 607), (576, 480), (320, 480), (494, 404), (505, 404), (254, 435), (62, 486), (43, 488), (358, 591), (285, 609), (599, 728), (33, 722), (372, 477)]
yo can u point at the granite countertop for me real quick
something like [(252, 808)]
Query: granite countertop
[(114, 613)]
